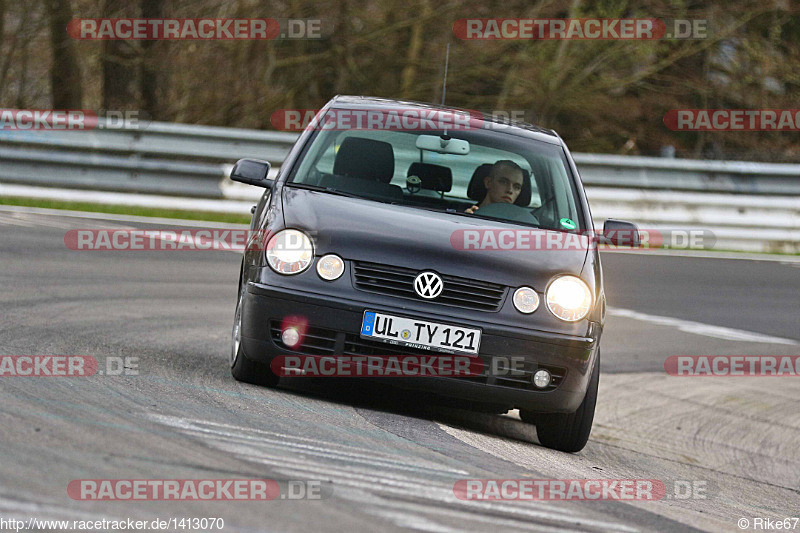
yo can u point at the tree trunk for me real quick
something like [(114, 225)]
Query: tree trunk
[(65, 75), (150, 76), (119, 61), (409, 73)]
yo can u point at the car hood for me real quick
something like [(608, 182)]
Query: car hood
[(365, 230)]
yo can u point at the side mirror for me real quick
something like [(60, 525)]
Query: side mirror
[(252, 172), (620, 233)]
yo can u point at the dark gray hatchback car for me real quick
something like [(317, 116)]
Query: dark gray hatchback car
[(376, 249)]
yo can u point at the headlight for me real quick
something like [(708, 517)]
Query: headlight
[(569, 298), (289, 252), (526, 300), (330, 267)]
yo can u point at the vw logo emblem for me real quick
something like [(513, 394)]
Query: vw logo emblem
[(428, 285)]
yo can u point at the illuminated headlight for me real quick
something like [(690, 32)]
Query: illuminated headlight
[(330, 267), (289, 252), (526, 300), (569, 298)]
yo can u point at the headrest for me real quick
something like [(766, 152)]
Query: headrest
[(477, 190), (434, 177), (365, 188), (365, 159)]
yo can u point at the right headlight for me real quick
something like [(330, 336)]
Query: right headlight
[(569, 298), (289, 252)]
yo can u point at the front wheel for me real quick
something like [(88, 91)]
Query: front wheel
[(568, 432), (242, 368)]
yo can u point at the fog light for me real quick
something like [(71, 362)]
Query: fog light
[(330, 267), (290, 337), (541, 379)]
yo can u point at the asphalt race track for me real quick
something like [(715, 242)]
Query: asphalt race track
[(384, 460)]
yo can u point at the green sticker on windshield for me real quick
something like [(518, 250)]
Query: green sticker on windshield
[(567, 223)]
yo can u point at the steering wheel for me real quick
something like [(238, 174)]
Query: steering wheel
[(509, 212)]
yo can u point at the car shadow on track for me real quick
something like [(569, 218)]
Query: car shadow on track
[(364, 394)]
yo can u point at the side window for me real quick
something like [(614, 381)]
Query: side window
[(325, 162), (536, 199)]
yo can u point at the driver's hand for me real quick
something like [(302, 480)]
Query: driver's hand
[(472, 210)]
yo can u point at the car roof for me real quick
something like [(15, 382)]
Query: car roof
[(514, 127)]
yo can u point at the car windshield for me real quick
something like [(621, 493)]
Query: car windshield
[(530, 185)]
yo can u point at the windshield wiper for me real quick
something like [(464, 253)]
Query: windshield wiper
[(320, 188), (474, 215), (339, 192)]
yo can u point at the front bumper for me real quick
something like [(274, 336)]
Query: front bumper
[(572, 357)]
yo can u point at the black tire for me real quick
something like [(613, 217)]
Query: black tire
[(568, 432), (242, 368)]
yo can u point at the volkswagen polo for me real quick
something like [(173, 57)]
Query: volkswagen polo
[(400, 227)]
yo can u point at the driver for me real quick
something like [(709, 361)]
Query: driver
[(503, 184)]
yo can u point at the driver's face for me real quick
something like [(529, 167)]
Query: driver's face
[(503, 185)]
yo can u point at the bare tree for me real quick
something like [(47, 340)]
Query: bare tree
[(603, 96), (149, 71), (119, 62), (65, 74)]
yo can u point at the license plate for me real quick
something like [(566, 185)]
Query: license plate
[(414, 333)]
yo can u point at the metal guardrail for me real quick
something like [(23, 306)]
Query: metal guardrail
[(162, 140), (759, 202), (688, 174), (738, 222), (161, 156)]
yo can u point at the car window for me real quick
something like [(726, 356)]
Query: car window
[(344, 160)]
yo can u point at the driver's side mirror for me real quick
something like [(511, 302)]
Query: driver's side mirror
[(620, 233), (252, 172)]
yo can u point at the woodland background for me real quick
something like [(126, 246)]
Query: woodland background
[(601, 96)]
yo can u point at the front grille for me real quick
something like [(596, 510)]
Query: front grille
[(517, 378), (399, 281), (355, 345), (321, 341)]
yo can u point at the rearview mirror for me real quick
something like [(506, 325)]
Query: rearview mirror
[(252, 172), (620, 233), (443, 144)]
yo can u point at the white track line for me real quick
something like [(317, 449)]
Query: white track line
[(216, 205), (382, 489), (710, 254), (119, 218), (698, 328)]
